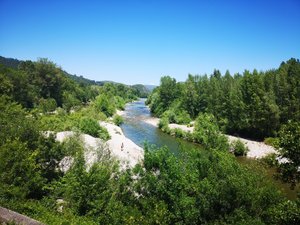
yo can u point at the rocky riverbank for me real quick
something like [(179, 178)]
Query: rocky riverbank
[(256, 149)]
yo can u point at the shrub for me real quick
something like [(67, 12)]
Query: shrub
[(163, 123), (270, 160), (175, 115), (170, 115), (118, 120), (289, 147), (92, 127), (20, 175), (179, 133), (70, 100), (103, 133), (92, 112), (47, 105), (190, 136), (120, 102), (105, 104), (286, 212), (182, 117), (271, 141), (239, 149), (207, 133)]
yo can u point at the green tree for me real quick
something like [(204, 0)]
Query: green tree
[(19, 171), (207, 133), (49, 79), (289, 143), (105, 104), (69, 100), (168, 91), (47, 105)]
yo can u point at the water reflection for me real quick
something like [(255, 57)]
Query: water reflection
[(139, 132)]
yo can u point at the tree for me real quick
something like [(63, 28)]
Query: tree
[(49, 79), (19, 171), (207, 133), (105, 103), (289, 143), (47, 105), (69, 100), (190, 96), (168, 91)]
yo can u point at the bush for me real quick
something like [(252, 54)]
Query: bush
[(20, 175), (89, 126), (103, 133), (190, 137), (271, 141), (179, 133), (182, 117), (91, 112), (70, 101), (270, 160), (47, 105), (207, 133), (286, 212), (170, 115), (239, 149), (105, 104), (175, 115), (163, 123), (120, 102), (289, 147), (92, 127), (118, 120)]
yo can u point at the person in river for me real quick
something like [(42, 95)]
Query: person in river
[(122, 146)]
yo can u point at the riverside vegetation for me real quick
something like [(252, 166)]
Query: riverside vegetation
[(194, 187), (256, 105)]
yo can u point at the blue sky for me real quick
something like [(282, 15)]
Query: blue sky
[(139, 41)]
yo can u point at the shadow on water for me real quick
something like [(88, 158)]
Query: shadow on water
[(139, 132), (271, 172)]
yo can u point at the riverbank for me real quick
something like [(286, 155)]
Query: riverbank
[(257, 149), (118, 147), (122, 147)]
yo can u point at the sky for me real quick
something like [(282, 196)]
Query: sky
[(138, 41)]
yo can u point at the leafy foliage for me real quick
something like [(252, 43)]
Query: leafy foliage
[(289, 143), (28, 160), (105, 104), (207, 133), (254, 104), (239, 148), (118, 120)]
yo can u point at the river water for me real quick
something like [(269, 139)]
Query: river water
[(140, 132)]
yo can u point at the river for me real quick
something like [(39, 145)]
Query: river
[(140, 132)]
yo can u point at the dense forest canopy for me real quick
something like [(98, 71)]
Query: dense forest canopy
[(253, 104), (34, 83)]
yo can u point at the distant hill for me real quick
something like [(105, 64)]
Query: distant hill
[(150, 87), (14, 63), (101, 83), (10, 62), (81, 79), (143, 90)]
